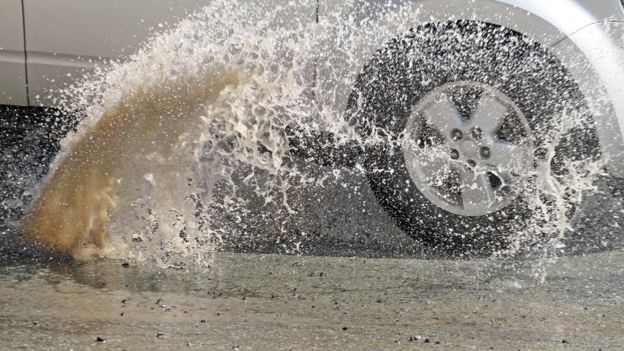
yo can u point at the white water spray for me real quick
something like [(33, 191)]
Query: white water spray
[(181, 143)]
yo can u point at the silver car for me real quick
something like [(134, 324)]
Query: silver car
[(479, 80)]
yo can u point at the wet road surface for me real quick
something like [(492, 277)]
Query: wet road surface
[(275, 302)]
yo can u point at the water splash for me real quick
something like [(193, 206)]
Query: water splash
[(190, 141), (164, 128), (73, 207)]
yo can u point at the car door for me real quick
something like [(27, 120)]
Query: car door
[(12, 61), (65, 38)]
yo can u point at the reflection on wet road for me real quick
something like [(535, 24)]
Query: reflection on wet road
[(272, 302)]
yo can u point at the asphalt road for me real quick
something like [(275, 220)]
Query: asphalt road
[(281, 302)]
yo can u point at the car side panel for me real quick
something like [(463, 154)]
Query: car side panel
[(12, 68), (66, 38), (595, 56)]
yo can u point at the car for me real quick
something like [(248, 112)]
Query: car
[(481, 83)]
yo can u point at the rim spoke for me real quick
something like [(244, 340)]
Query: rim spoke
[(443, 115), (510, 157), (489, 114), (437, 170), (434, 165), (476, 191)]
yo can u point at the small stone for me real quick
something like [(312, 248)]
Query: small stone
[(159, 335), (426, 340), (100, 339), (345, 328), (564, 341), (125, 265), (202, 321)]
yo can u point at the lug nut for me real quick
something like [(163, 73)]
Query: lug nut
[(454, 154), (456, 134), (477, 133), (472, 163), (505, 189), (485, 152)]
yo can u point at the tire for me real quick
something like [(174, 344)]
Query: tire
[(475, 60)]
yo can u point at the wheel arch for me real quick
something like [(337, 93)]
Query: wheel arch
[(556, 24)]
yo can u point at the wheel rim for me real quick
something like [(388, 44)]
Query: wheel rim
[(468, 148)]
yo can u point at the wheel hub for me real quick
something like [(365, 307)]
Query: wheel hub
[(468, 148)]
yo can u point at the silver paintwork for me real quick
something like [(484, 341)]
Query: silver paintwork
[(67, 38), (12, 68)]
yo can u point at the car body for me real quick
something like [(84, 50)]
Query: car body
[(46, 45)]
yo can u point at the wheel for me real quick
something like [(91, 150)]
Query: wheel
[(465, 108)]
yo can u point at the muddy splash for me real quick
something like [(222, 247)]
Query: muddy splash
[(165, 131), (72, 210), (189, 141)]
